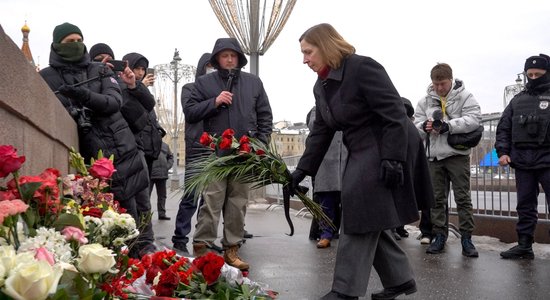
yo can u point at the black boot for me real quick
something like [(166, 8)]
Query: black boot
[(468, 248), (522, 251), (437, 245)]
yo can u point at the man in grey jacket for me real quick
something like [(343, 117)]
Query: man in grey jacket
[(227, 99), (448, 108)]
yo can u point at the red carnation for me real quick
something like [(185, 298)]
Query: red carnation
[(9, 161), (205, 139)]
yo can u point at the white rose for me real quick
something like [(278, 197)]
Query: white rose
[(2, 275), (94, 258), (33, 280), (7, 257)]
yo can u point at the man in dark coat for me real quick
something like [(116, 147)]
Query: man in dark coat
[(193, 151), (95, 106), (137, 103), (523, 142), (227, 99), (159, 176)]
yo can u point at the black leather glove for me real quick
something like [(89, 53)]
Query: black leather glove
[(444, 127), (294, 185), (391, 172), (81, 94)]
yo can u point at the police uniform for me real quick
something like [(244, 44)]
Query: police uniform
[(523, 134)]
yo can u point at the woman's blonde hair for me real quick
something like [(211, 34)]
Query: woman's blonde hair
[(333, 48)]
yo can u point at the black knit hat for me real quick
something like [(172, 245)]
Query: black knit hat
[(101, 48), (63, 30), (536, 62)]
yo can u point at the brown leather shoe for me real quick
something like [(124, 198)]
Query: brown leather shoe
[(323, 243), (199, 249)]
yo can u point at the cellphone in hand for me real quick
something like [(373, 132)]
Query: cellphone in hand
[(118, 65), (151, 71)]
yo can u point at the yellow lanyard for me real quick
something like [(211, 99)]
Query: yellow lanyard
[(443, 102)]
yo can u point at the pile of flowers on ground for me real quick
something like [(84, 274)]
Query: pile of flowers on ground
[(247, 160), (66, 237)]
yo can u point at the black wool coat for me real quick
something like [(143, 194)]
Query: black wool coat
[(359, 99)]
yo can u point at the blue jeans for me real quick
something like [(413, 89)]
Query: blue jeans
[(186, 210), (329, 201)]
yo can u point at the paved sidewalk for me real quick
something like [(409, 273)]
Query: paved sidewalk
[(295, 268)]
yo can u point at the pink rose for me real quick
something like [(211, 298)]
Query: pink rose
[(9, 161), (12, 207), (73, 233), (103, 168), (45, 255)]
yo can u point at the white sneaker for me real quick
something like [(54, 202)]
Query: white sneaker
[(425, 240)]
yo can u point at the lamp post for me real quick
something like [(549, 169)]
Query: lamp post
[(174, 65), (511, 90)]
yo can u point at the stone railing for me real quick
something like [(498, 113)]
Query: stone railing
[(31, 117)]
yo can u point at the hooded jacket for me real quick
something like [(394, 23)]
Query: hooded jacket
[(110, 131), (250, 114), (462, 113), (144, 121), (193, 131)]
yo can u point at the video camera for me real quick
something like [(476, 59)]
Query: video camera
[(82, 116)]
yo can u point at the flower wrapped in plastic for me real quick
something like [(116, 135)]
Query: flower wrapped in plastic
[(247, 160)]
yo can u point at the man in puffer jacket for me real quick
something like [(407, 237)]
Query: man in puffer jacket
[(95, 106), (448, 108)]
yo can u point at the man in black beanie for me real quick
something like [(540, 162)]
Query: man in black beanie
[(100, 51), (523, 143)]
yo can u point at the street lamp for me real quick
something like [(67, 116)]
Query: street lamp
[(174, 65), (511, 90)]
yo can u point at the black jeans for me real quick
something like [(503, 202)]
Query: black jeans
[(161, 195)]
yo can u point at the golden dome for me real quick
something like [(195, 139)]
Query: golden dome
[(25, 28)]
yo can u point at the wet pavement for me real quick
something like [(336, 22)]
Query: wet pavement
[(294, 267)]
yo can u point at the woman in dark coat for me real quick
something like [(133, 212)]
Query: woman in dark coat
[(354, 94)]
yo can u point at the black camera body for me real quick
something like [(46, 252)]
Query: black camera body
[(82, 116), (437, 122)]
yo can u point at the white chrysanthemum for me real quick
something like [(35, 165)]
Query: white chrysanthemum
[(50, 239)]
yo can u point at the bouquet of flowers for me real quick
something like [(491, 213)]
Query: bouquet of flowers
[(247, 160), (60, 236), (66, 237), (207, 277)]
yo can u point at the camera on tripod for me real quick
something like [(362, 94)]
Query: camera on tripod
[(82, 116)]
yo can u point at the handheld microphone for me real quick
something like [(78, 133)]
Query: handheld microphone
[(233, 73)]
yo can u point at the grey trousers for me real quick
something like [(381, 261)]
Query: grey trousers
[(225, 197), (357, 253)]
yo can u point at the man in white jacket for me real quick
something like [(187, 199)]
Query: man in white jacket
[(448, 108)]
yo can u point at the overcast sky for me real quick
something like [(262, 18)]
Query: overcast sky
[(485, 42)]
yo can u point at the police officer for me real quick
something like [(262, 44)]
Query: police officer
[(523, 142)]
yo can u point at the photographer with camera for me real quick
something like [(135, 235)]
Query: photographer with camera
[(137, 105), (91, 94), (448, 108)]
